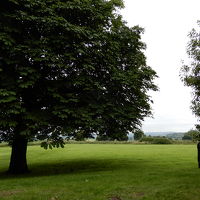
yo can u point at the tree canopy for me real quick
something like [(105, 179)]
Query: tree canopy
[(69, 67), (192, 135), (190, 73)]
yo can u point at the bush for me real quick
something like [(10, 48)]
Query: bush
[(156, 140), (187, 137), (147, 139), (161, 141)]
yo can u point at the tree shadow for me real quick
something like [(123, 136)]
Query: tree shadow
[(73, 167)]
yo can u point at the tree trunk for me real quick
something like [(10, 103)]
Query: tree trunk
[(18, 163), (198, 153)]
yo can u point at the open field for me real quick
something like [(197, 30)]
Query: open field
[(105, 172)]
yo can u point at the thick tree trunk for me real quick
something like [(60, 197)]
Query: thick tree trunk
[(198, 153), (18, 163)]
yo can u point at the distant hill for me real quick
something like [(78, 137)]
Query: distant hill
[(175, 136), (157, 133), (172, 135)]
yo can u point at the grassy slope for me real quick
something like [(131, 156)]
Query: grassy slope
[(105, 172)]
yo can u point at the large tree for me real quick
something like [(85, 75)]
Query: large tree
[(69, 67), (190, 74)]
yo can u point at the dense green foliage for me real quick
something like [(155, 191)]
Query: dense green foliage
[(138, 134), (156, 140), (105, 172), (161, 141), (67, 66), (187, 137), (191, 135), (190, 74)]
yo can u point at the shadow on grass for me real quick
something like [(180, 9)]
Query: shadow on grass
[(74, 167)]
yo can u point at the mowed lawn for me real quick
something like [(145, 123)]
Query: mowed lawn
[(105, 172)]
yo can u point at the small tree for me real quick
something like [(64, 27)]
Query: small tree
[(190, 74), (69, 67), (138, 134)]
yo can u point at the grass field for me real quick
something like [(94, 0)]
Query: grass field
[(104, 172)]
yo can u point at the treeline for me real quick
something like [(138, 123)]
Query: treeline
[(189, 135)]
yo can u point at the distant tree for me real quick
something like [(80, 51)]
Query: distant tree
[(66, 67), (138, 134), (80, 135), (190, 74), (110, 136), (187, 137), (195, 134), (191, 135)]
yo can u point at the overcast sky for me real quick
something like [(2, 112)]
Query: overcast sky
[(167, 24)]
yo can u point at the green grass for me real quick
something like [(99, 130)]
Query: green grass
[(104, 172)]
